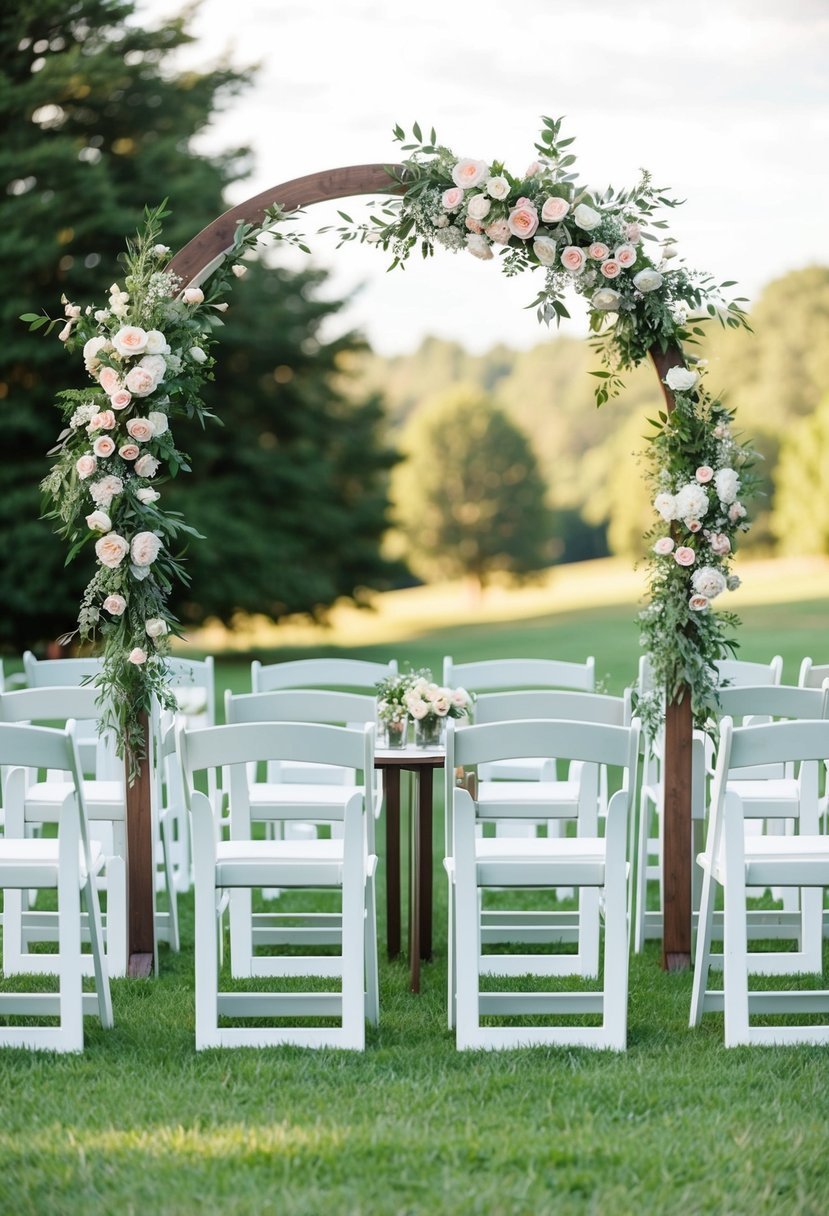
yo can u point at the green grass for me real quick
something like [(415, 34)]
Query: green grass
[(142, 1124)]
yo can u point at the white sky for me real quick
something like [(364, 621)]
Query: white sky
[(725, 101)]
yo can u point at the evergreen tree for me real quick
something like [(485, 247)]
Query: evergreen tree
[(470, 498)]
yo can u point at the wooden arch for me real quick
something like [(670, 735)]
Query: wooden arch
[(193, 264)]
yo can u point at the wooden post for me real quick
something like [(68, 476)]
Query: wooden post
[(676, 785), (140, 868)]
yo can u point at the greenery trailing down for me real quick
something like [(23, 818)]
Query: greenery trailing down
[(699, 474)]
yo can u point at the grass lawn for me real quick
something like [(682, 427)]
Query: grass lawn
[(141, 1124)]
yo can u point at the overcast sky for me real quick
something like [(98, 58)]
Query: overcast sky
[(725, 101)]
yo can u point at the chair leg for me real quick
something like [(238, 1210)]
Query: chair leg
[(69, 933), (99, 962), (702, 961), (467, 932), (372, 1002), (241, 933), (353, 935), (616, 937), (451, 969), (116, 918), (735, 934), (207, 923)]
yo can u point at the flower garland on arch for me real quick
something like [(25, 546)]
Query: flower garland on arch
[(148, 353), (640, 302)]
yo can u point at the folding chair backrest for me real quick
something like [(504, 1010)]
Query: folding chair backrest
[(774, 701), (549, 703), (27, 746), (490, 675), (197, 675), (587, 741), (300, 705), (812, 675), (53, 673), (55, 704), (743, 671), (787, 742), (319, 673)]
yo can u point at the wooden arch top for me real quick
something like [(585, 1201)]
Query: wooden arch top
[(201, 255)]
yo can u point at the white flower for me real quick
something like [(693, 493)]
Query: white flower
[(146, 465), (239, 270), (469, 173), (681, 379), (708, 581), (727, 482), (497, 187), (586, 218), (137, 656), (606, 300), (161, 251), (156, 627), (544, 248), (665, 505), (66, 332), (144, 549), (193, 295), (92, 348), (479, 207), (691, 502), (159, 422), (155, 365), (442, 220), (479, 246), (101, 314), (157, 344), (99, 521), (647, 280), (197, 354), (147, 495), (130, 340)]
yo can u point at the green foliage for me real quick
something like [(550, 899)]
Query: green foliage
[(801, 515), (470, 498)]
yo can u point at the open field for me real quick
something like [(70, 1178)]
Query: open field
[(677, 1125)]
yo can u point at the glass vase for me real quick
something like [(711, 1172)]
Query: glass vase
[(430, 732), (395, 733)]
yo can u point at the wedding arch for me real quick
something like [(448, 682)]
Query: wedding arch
[(541, 219)]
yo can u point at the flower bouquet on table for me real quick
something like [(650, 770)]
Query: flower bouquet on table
[(392, 710), (430, 705)]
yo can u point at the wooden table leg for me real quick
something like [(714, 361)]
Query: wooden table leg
[(391, 779), (425, 861), (415, 893)]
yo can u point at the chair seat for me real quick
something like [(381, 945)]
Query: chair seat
[(104, 799), (528, 799), (529, 862), (781, 861), (34, 861), (283, 863)]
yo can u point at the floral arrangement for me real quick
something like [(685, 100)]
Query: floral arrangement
[(543, 220), (392, 709), (699, 474), (414, 696), (147, 354)]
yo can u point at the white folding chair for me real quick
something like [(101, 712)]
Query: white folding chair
[(736, 861), (647, 922), (241, 864), (814, 675), (69, 673), (68, 865), (330, 673), (584, 861)]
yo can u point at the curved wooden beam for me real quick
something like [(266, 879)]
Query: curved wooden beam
[(205, 251)]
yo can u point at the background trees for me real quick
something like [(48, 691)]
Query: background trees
[(470, 497), (97, 122)]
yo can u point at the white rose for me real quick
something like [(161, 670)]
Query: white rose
[(727, 482), (155, 365), (681, 380), (479, 207), (708, 581), (665, 505), (586, 217), (239, 270), (144, 549), (497, 187), (157, 344), (467, 174), (197, 354), (159, 421), (647, 280), (91, 350), (130, 340), (691, 502), (606, 300), (544, 248), (479, 246), (146, 465), (193, 295), (147, 495), (111, 550), (99, 521), (156, 627)]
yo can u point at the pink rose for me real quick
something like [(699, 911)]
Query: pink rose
[(145, 548), (473, 225), (704, 474), (103, 491), (735, 511), (625, 255), (467, 173), (140, 429), (140, 381), (193, 295), (121, 399), (109, 380), (554, 209), (129, 451), (698, 603), (694, 525), (572, 258), (103, 446), (633, 232), (685, 556), (663, 546), (104, 421), (598, 251), (86, 465), (130, 340), (720, 544), (111, 550), (611, 268), (452, 198), (146, 465), (116, 604), (137, 656), (533, 169), (498, 231), (523, 222)]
